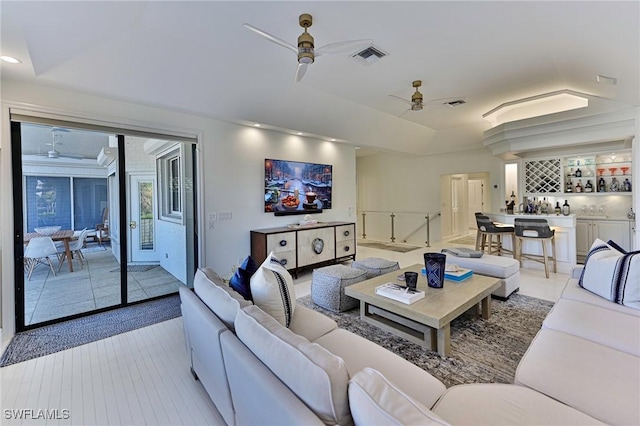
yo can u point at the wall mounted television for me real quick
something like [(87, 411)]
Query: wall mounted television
[(294, 187)]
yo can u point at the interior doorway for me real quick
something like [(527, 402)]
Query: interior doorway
[(462, 195)]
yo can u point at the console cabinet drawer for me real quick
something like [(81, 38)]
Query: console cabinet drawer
[(345, 233), (281, 242), (345, 248)]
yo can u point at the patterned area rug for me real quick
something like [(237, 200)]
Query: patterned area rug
[(481, 351), (389, 246), (65, 335)]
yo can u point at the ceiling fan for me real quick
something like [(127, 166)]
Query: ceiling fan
[(417, 104), (53, 153), (305, 49)]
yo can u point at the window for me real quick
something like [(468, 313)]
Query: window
[(170, 176)]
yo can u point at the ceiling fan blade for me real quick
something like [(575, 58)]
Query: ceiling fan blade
[(77, 157), (300, 71), (401, 99), (404, 112), (272, 38), (343, 46)]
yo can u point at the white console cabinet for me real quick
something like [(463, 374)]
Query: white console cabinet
[(305, 246), (587, 230)]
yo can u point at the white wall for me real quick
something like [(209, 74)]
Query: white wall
[(396, 182), (232, 171)]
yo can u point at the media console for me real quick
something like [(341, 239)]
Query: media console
[(303, 246)]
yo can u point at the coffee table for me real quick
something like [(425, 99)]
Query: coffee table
[(425, 322)]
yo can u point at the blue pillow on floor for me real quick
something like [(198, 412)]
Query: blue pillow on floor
[(240, 281)]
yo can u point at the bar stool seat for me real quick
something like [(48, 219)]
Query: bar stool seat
[(536, 229), (487, 229)]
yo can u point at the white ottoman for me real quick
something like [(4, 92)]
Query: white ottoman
[(328, 284), (505, 268), (375, 266)]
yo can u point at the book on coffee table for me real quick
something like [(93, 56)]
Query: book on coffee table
[(460, 274), (400, 293)]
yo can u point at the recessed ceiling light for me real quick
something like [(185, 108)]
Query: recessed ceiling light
[(606, 80), (257, 125), (332, 140), (299, 133), (11, 59)]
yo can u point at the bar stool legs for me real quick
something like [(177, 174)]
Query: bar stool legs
[(544, 259)]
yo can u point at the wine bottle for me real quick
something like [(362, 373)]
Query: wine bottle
[(569, 187), (588, 186), (578, 173), (566, 209), (557, 209), (579, 186), (602, 185)]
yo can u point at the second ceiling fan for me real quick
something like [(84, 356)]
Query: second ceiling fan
[(305, 49)]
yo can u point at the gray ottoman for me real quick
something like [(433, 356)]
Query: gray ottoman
[(375, 266), (328, 284)]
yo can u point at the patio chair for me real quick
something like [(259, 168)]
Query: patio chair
[(38, 251), (102, 232), (75, 248)]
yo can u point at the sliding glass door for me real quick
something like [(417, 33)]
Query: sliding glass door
[(105, 220)]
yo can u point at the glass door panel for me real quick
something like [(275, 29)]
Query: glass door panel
[(68, 267)]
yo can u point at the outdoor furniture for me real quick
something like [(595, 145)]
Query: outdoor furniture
[(375, 266), (102, 232), (487, 229), (536, 230), (328, 284), (62, 235), (38, 251), (74, 247)]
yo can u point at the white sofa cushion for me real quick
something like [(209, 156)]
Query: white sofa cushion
[(612, 274), (359, 353), (272, 290), (501, 404), (375, 401), (607, 327), (599, 381), (318, 377), (311, 324), (219, 297), (493, 266), (572, 291)]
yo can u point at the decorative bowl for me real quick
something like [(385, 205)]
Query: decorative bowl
[(47, 230)]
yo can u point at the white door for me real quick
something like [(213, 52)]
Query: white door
[(142, 238), (456, 197), (475, 201)]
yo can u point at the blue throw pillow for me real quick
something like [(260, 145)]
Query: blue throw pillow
[(240, 281)]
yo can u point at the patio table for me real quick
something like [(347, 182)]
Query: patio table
[(63, 235)]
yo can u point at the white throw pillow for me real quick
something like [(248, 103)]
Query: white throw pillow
[(612, 274), (317, 377), (272, 290), (375, 401)]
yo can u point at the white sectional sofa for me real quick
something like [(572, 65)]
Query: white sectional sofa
[(256, 371)]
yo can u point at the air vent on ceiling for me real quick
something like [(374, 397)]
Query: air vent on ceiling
[(455, 103), (369, 55)]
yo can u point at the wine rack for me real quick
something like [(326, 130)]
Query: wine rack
[(543, 176)]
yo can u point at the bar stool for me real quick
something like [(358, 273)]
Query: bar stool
[(486, 228), (536, 229)]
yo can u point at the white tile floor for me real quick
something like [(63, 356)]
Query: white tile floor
[(142, 377)]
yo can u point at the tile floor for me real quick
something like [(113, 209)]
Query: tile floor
[(96, 285)]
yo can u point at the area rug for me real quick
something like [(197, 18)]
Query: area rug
[(468, 240), (388, 246), (482, 351), (65, 335)]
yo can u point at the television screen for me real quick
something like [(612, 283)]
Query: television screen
[(296, 187)]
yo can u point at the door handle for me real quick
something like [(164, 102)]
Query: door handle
[(133, 224)]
